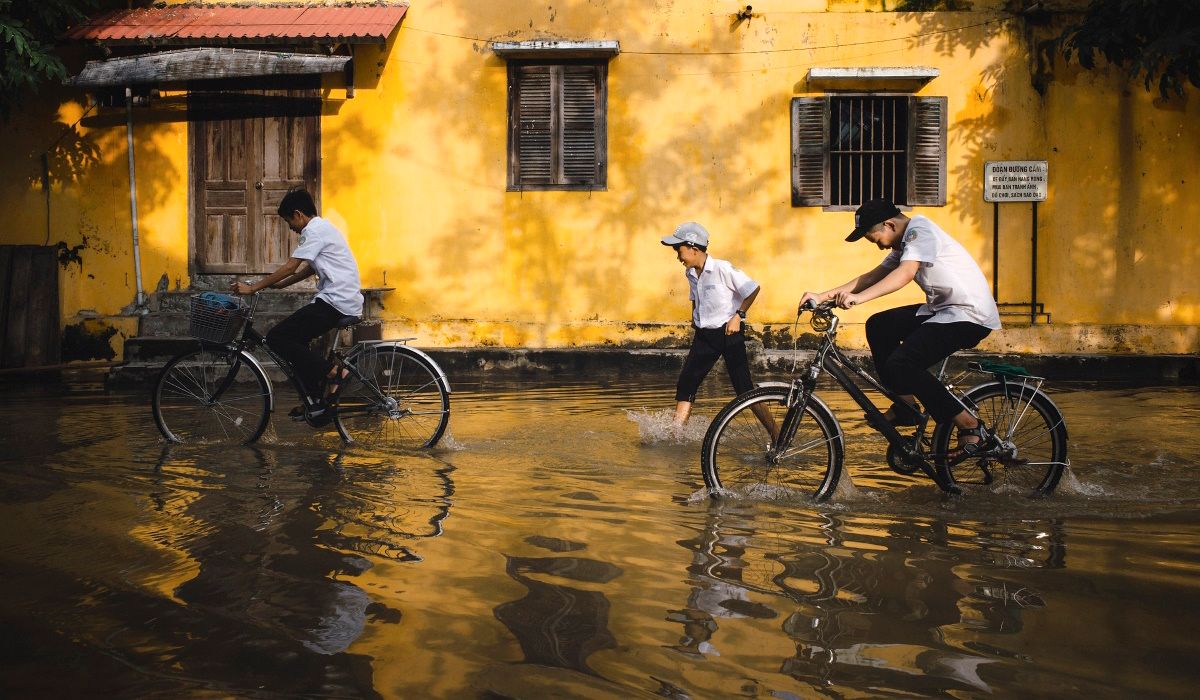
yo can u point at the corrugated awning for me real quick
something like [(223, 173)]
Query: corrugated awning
[(208, 63), (243, 24)]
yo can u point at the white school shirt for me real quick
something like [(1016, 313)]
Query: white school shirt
[(325, 248), (718, 292), (955, 288)]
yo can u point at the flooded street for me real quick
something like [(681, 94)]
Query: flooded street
[(560, 545)]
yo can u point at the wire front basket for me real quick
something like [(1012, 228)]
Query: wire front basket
[(217, 318)]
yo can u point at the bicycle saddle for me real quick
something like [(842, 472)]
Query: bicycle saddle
[(347, 321)]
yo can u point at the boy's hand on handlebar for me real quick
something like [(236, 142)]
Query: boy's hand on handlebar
[(847, 299), (241, 287), (808, 302)]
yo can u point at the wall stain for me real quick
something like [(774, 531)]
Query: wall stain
[(88, 340), (66, 255)]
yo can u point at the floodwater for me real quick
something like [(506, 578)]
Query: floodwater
[(560, 546)]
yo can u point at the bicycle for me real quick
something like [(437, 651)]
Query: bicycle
[(1024, 443), (394, 396)]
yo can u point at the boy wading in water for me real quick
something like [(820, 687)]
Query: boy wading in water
[(721, 295), (322, 251)]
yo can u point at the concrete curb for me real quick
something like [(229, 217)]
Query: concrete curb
[(581, 363)]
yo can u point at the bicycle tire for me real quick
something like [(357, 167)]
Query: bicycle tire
[(734, 453), (1027, 421), (407, 405), (182, 401)]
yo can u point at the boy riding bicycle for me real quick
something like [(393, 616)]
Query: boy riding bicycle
[(323, 251), (959, 311)]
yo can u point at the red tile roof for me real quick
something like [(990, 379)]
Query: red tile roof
[(243, 24)]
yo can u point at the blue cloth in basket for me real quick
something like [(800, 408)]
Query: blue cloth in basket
[(221, 301)]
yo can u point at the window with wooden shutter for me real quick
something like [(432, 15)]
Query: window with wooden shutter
[(810, 128), (847, 149), (557, 126), (927, 151)]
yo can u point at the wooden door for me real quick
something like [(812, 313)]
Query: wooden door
[(29, 332), (246, 154)]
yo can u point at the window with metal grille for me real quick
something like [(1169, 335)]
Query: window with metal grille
[(557, 126), (847, 149), (868, 154)]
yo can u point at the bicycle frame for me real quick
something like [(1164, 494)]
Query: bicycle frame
[(830, 359), (251, 338), (350, 363), (247, 340)]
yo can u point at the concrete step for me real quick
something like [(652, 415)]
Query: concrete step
[(160, 347), (175, 323), (269, 301), (132, 375)]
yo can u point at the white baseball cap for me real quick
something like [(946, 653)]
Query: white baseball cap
[(690, 232)]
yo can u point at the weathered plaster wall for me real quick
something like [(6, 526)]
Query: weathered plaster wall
[(414, 172), (89, 211)]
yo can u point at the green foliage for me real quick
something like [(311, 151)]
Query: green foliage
[(1156, 40), (28, 30)]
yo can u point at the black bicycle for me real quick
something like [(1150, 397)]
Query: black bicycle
[(784, 435), (395, 396)]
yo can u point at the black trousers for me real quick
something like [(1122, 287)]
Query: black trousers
[(291, 337), (708, 344), (904, 346)]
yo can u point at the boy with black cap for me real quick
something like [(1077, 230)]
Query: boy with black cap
[(721, 295), (958, 312)]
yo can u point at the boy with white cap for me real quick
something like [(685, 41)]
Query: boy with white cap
[(721, 295)]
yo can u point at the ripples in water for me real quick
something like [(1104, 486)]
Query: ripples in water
[(561, 543)]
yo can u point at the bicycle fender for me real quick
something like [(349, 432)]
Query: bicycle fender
[(973, 391), (773, 385), (419, 353), (252, 360)]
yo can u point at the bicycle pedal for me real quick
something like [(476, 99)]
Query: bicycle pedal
[(319, 418)]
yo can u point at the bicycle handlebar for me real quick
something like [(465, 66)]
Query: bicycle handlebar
[(825, 308)]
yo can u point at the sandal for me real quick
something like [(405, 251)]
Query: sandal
[(969, 447)]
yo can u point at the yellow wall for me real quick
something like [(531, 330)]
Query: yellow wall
[(414, 172), (89, 210)]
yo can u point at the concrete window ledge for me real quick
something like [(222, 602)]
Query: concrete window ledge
[(872, 78), (555, 49)]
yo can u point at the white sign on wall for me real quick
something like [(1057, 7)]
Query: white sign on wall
[(1015, 180)]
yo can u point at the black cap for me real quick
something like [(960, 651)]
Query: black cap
[(872, 212)]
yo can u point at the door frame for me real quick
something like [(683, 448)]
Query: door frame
[(205, 280)]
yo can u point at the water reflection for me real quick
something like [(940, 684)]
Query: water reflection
[(557, 554), (559, 625), (866, 607)]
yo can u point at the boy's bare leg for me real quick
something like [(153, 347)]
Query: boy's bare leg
[(683, 410), (768, 421), (965, 421)]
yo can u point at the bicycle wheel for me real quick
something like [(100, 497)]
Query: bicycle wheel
[(1032, 453), (403, 404), (735, 453), (212, 395)]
